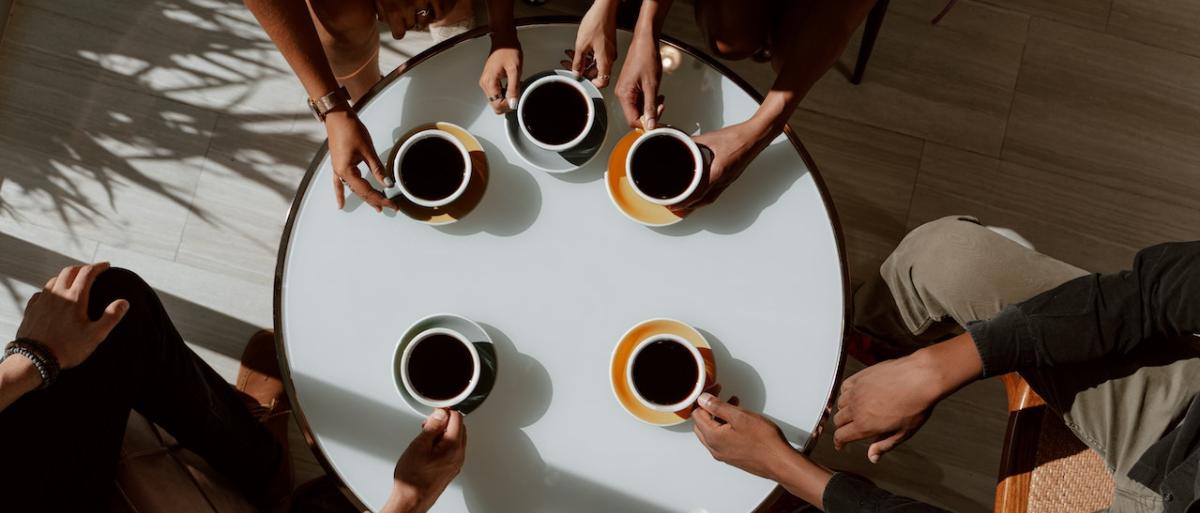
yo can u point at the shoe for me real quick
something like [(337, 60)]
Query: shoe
[(261, 386)]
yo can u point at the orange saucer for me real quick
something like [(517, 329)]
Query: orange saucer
[(627, 201), (620, 359), (471, 197)]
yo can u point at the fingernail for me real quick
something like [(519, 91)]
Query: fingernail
[(706, 399), (873, 457), (438, 415), (389, 182), (650, 124), (512, 103)]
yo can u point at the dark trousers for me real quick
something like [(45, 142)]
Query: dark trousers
[(60, 445)]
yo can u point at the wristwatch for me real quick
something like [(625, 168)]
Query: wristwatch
[(326, 104)]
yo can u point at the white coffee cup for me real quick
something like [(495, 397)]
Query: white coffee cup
[(697, 389), (407, 145), (583, 94), (697, 164), (407, 382)]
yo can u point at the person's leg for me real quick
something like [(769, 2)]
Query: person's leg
[(63, 442), (954, 271), (350, 37), (734, 29), (945, 274), (175, 389)]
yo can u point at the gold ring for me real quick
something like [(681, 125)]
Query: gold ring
[(494, 98)]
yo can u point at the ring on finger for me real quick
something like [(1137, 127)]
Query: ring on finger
[(494, 97)]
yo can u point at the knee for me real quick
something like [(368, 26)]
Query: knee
[(348, 29), (733, 32), (945, 250), (118, 283)]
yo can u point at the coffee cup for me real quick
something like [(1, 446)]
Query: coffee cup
[(555, 113), (440, 368), (666, 373), (432, 168), (664, 166)]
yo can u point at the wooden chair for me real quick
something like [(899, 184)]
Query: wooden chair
[(1044, 468)]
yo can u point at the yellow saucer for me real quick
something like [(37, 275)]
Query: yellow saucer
[(620, 358), (471, 197), (624, 197)]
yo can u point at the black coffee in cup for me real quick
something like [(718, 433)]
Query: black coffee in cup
[(662, 167), (432, 169), (665, 372), (555, 113), (440, 367)]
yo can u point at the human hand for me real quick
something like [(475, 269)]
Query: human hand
[(430, 462), (738, 437), (57, 316), (404, 15), (349, 144), (503, 63), (891, 400), (733, 148), (637, 87), (595, 44)]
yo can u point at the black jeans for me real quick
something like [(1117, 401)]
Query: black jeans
[(60, 445)]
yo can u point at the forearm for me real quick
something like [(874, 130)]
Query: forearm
[(403, 500), (18, 377), (290, 27), (651, 18), (801, 477), (1098, 315), (500, 19), (806, 52)]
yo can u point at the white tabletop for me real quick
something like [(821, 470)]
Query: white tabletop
[(556, 275)]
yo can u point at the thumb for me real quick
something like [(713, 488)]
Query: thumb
[(883, 445), (649, 110), (377, 168), (435, 425), (109, 319)]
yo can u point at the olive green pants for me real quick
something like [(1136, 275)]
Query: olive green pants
[(952, 271)]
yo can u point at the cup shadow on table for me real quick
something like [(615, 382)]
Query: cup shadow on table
[(736, 377), (763, 183), (739, 378), (510, 205)]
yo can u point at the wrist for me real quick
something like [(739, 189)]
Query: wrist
[(950, 365), (19, 372), (404, 499)]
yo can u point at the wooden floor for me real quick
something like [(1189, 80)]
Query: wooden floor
[(169, 137)]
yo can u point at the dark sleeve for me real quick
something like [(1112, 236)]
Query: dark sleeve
[(848, 493), (1097, 315)]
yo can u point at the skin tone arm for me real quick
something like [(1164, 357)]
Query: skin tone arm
[(870, 408), (637, 88), (290, 27), (595, 43), (429, 463), (504, 61), (753, 443), (57, 317)]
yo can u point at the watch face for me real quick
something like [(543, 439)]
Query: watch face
[(312, 106)]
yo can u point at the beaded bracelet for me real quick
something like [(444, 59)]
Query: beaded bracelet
[(43, 360)]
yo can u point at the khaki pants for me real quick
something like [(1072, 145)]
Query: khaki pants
[(952, 271)]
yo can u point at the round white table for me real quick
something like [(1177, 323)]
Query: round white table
[(556, 275)]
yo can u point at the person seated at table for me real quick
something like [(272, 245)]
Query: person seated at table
[(1114, 354), (95, 343), (333, 48), (801, 39)]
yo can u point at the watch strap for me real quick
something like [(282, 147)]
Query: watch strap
[(324, 105)]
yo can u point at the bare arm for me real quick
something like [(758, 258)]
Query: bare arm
[(17, 378), (290, 27)]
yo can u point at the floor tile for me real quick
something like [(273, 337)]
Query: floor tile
[(1104, 110), (1169, 24), (1091, 14), (870, 174), (1077, 220), (951, 83)]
